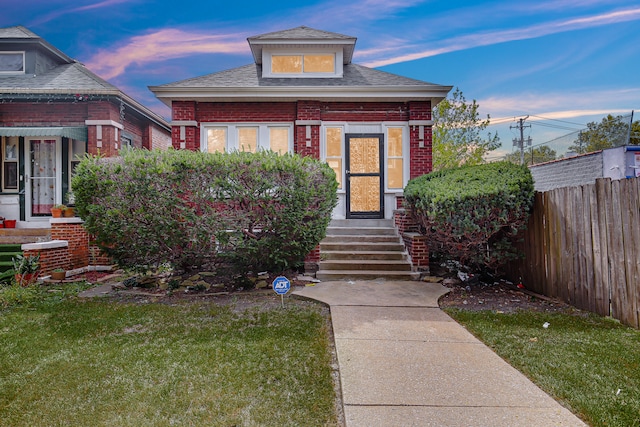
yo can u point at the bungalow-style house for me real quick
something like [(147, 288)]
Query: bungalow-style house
[(304, 95), (53, 110)]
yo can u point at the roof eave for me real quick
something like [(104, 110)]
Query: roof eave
[(434, 93)]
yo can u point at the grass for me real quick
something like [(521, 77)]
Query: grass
[(65, 361), (589, 363)]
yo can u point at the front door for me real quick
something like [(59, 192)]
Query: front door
[(42, 189), (364, 177)]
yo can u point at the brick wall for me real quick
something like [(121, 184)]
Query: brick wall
[(70, 247), (573, 171), (52, 114), (53, 255), (364, 111), (159, 138), (43, 114), (415, 243), (77, 237)]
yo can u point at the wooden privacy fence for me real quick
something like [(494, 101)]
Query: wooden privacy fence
[(583, 246)]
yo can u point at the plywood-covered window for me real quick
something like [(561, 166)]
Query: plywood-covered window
[(279, 139), (248, 139), (303, 64), (216, 140), (394, 158), (333, 138)]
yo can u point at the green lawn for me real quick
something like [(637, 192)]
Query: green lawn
[(100, 363), (589, 363)]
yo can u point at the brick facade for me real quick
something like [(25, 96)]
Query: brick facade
[(187, 136), (308, 115), (55, 114)]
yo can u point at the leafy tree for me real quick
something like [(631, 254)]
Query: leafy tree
[(457, 132), (537, 155), (610, 132)]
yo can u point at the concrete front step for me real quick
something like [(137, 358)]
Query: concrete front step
[(363, 249), (357, 254), (355, 275), (355, 238), (24, 235), (361, 231), (355, 223), (362, 246), (375, 265)]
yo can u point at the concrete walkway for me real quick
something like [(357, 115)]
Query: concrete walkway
[(404, 362)]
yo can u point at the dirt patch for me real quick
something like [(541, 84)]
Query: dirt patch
[(500, 296), (469, 292)]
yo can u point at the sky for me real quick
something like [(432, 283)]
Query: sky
[(559, 63)]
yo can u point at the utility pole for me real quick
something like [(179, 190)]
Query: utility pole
[(630, 126), (520, 142)]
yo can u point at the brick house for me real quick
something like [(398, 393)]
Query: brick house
[(303, 94), (52, 110)]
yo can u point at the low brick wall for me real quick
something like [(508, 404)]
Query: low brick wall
[(312, 261), (415, 243), (53, 254), (71, 248), (73, 231)]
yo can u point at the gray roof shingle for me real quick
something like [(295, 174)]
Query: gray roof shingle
[(251, 76), (18, 32), (68, 77), (301, 33)]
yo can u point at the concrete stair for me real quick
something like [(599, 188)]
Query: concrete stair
[(7, 252), (24, 235), (363, 249)]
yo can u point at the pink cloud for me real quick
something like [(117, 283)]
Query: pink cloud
[(162, 45)]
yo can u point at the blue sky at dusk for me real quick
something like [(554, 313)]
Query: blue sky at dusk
[(562, 62)]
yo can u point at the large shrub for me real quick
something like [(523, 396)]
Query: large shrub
[(473, 214), (194, 211)]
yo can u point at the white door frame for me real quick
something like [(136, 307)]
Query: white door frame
[(28, 175)]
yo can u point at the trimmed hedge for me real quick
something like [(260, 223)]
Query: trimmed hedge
[(194, 211), (473, 214)]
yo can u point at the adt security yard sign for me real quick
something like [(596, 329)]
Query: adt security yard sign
[(281, 286)]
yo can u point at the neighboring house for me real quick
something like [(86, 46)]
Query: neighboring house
[(614, 163), (304, 95), (52, 111)]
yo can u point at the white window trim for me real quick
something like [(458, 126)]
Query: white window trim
[(232, 143), (24, 65), (383, 126), (404, 157), (4, 140), (323, 149), (268, 53)]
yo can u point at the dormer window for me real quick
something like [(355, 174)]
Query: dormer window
[(296, 64), (302, 64), (11, 62)]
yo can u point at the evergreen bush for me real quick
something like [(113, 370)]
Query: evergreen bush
[(473, 214), (194, 211)]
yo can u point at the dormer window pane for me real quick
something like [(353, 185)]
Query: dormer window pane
[(12, 62), (286, 64), (319, 64)]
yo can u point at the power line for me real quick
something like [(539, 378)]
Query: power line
[(558, 120)]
